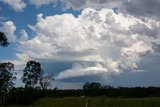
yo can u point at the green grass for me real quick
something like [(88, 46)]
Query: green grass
[(96, 102)]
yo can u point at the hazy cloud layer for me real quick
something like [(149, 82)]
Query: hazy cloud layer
[(41, 2), (97, 42), (80, 4), (138, 8), (17, 5)]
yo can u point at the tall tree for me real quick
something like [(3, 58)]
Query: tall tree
[(31, 74), (45, 80), (3, 40), (6, 78)]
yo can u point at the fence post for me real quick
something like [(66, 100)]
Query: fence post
[(87, 103)]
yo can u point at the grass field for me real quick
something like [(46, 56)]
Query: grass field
[(96, 102)]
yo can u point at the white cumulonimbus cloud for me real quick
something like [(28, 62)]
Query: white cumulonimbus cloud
[(17, 5), (97, 42)]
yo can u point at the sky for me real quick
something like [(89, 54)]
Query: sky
[(114, 42)]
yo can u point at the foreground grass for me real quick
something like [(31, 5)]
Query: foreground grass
[(96, 102)]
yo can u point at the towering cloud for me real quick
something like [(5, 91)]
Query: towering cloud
[(9, 28), (24, 36), (96, 42)]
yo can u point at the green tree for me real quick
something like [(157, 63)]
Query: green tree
[(6, 79), (6, 76), (31, 74), (3, 40)]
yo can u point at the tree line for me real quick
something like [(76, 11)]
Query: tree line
[(24, 96)]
